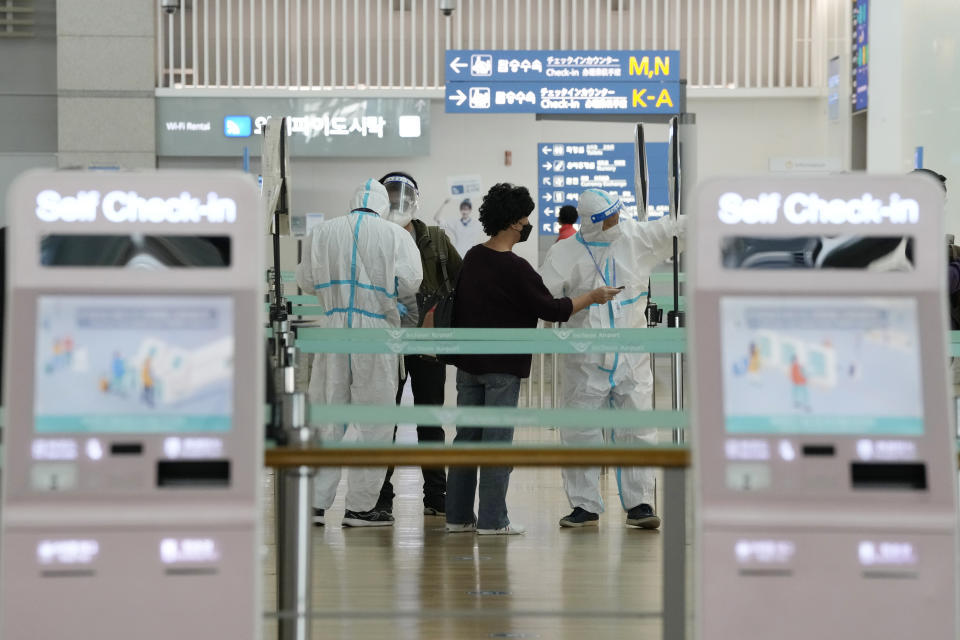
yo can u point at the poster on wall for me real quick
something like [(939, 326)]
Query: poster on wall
[(459, 213)]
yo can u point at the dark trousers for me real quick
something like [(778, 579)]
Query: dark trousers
[(427, 377)]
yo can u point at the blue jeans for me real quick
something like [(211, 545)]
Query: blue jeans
[(491, 390)]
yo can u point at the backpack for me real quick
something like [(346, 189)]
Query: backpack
[(436, 307)]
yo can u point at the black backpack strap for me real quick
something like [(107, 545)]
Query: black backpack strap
[(441, 249)]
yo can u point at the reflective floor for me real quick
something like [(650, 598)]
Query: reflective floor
[(414, 580)]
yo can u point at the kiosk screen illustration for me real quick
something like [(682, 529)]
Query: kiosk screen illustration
[(142, 364), (816, 365)]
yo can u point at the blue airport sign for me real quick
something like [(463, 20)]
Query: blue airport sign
[(563, 97), (472, 65), (565, 169), (237, 126)]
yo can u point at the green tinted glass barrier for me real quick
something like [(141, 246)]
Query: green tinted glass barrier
[(311, 301), (666, 277), (955, 344), (300, 309), (462, 341), (666, 303), (285, 276), (497, 416)]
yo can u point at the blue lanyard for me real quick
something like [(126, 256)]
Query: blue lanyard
[(596, 265)]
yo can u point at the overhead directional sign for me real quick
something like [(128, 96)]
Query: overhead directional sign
[(500, 66), (599, 82), (567, 168), (563, 97)]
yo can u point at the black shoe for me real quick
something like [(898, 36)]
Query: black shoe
[(435, 506), (642, 516), (318, 517), (580, 518), (386, 507), (372, 518)]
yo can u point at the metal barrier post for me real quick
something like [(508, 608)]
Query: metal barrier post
[(542, 372), (675, 554), (676, 372), (294, 516), (556, 381)]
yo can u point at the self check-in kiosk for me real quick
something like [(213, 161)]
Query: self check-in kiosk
[(134, 423), (826, 465)]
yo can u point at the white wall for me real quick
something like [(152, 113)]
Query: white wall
[(914, 90), (28, 100), (735, 136)]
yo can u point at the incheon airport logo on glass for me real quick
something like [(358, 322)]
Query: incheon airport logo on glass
[(237, 126)]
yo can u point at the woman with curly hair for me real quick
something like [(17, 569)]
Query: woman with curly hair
[(498, 288)]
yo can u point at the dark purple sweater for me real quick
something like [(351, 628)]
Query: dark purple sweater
[(501, 289)]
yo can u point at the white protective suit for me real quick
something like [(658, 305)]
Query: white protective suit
[(623, 255), (358, 265), (465, 235)]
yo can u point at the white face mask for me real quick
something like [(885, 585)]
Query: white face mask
[(398, 217)]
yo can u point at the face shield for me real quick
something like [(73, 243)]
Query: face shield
[(404, 200), (595, 206)]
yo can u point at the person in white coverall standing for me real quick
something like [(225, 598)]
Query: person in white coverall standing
[(359, 265), (615, 252)]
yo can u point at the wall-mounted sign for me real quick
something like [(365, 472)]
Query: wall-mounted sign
[(833, 88), (317, 127), (815, 164), (861, 54), (567, 168), (598, 82)]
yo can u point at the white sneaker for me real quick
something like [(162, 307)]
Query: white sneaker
[(509, 530), (469, 527)]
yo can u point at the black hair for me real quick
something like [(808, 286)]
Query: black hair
[(503, 205), (402, 175), (568, 214), (466, 203), (933, 174)]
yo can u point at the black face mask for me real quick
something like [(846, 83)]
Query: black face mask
[(525, 232)]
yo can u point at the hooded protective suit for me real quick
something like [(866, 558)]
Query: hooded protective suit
[(358, 265), (404, 198), (623, 255)]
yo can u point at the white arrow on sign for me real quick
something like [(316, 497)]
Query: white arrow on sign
[(547, 151), (458, 66), (548, 197), (459, 96), (547, 165)]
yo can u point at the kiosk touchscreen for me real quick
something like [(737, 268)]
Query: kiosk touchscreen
[(133, 437), (826, 466)]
